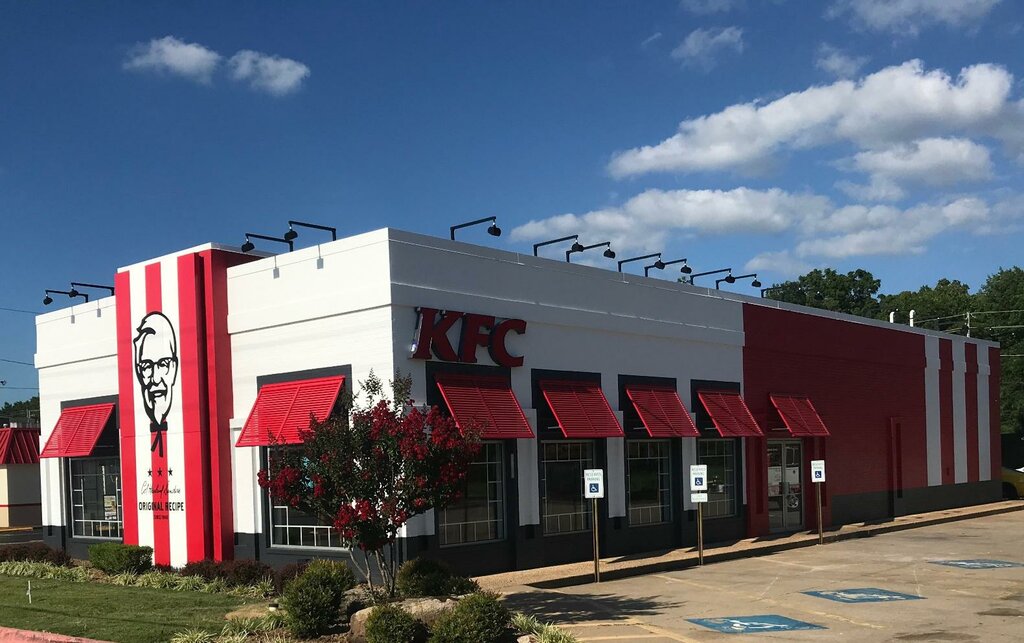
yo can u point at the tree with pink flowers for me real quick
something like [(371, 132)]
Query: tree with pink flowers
[(371, 467)]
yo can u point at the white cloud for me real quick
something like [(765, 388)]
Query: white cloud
[(704, 7), (651, 39), (837, 62), (272, 74), (781, 263), (876, 189), (885, 230), (896, 104), (703, 46), (910, 16), (173, 56), (645, 221)]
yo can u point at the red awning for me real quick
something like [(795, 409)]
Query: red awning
[(800, 416), (581, 409), (730, 414), (282, 411), (77, 431), (662, 412), (19, 446), (486, 401)]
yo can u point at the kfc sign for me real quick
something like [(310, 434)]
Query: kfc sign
[(476, 331)]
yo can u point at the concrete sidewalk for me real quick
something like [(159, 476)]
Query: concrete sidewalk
[(662, 561)]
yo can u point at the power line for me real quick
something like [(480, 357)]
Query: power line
[(19, 388), (14, 361), (20, 310)]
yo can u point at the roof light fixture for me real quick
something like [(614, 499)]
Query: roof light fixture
[(492, 229), (47, 299), (575, 246), (661, 265), (655, 254), (731, 280), (248, 245), (292, 233), (75, 284), (713, 272)]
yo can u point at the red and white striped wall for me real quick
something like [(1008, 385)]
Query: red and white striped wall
[(959, 402)]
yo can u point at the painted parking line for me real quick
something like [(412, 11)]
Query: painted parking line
[(754, 624), (978, 563), (863, 595)]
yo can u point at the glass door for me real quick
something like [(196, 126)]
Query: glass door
[(785, 485)]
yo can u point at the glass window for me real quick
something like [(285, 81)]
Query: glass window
[(290, 527), (720, 456), (96, 498), (648, 480), (480, 514), (561, 480)]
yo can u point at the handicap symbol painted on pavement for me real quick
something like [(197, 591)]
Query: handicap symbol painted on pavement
[(980, 563), (754, 624), (863, 595)]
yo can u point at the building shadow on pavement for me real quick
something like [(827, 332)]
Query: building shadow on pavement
[(559, 607)]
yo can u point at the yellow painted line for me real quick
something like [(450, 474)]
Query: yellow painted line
[(605, 623), (624, 637), (781, 604), (667, 633)]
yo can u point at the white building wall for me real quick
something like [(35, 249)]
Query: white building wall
[(578, 318), (76, 355), (319, 307)]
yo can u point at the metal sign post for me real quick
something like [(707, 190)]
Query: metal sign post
[(593, 488), (698, 496), (818, 477)]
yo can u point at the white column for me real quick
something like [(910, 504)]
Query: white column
[(933, 418), (959, 412)]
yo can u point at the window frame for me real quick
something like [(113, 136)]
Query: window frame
[(665, 480), (732, 475), (72, 505), (587, 507), (265, 454), (502, 502)]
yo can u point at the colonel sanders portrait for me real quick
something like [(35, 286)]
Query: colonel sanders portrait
[(156, 367)]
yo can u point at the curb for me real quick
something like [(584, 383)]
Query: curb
[(566, 579), (11, 635)]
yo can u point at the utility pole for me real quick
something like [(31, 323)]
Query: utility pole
[(968, 323)]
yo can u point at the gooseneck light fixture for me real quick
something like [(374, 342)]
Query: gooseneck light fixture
[(731, 280), (492, 229), (248, 245), (655, 254), (47, 299), (292, 234), (575, 246), (728, 279), (660, 265), (75, 285)]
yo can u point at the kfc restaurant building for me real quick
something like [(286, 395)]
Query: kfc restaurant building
[(160, 404)]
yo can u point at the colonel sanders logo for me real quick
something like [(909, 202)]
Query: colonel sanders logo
[(156, 367)]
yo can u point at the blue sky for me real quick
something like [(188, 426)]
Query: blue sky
[(765, 135)]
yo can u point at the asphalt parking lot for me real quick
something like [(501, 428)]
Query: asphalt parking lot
[(888, 587)]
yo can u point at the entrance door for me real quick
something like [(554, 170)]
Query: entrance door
[(785, 485)]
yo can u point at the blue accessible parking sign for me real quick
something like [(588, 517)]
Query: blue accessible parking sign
[(754, 624), (863, 595), (981, 563)]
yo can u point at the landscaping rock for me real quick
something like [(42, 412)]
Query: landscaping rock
[(424, 610)]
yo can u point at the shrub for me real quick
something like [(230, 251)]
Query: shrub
[(287, 574), (115, 558), (425, 577), (205, 569), (194, 635), (312, 601), (392, 624), (239, 573), (35, 552), (33, 569), (478, 618)]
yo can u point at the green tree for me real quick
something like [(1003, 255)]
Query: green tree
[(24, 412), (1000, 318), (942, 307), (852, 293)]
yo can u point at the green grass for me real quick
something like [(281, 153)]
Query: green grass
[(110, 612)]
